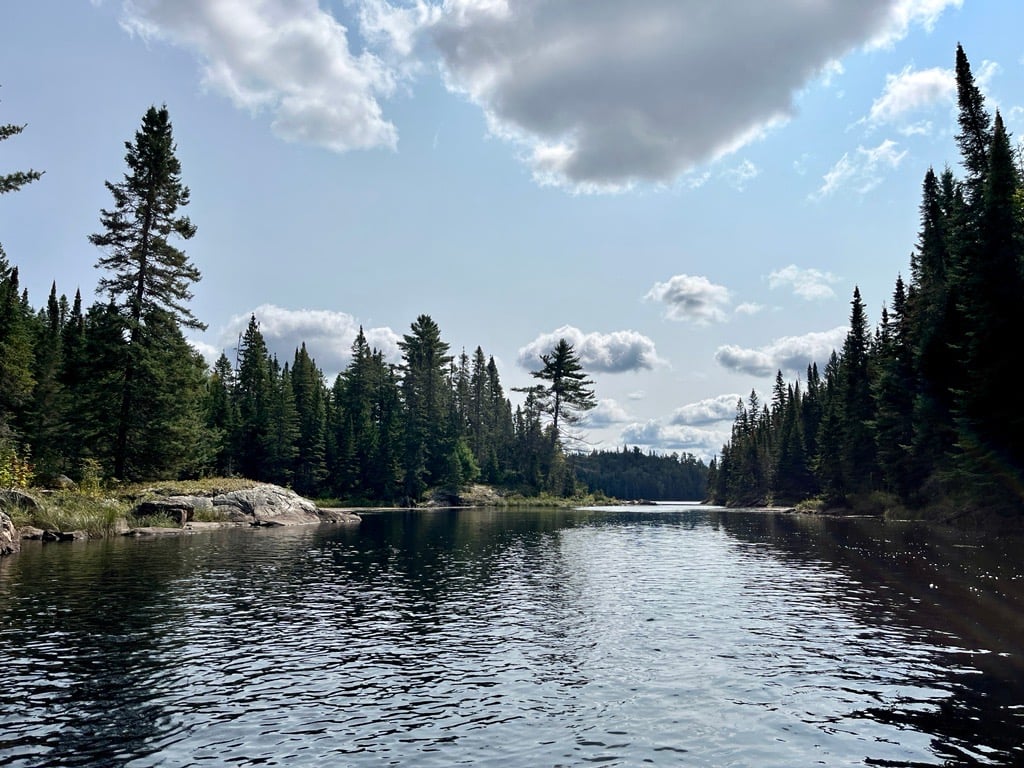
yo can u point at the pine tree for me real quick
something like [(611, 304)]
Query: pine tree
[(568, 393), (11, 182), (146, 273)]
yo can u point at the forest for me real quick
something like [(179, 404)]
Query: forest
[(922, 411), (114, 392)]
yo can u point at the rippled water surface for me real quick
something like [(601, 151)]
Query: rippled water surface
[(660, 636)]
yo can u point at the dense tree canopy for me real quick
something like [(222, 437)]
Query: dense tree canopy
[(925, 409)]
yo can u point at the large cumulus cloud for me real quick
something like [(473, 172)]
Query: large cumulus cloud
[(604, 93), (614, 352), (290, 58)]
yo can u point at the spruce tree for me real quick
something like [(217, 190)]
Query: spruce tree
[(426, 395), (990, 423), (857, 406)]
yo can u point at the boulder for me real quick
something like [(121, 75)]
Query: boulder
[(10, 542), (267, 505), (178, 508), (12, 497)]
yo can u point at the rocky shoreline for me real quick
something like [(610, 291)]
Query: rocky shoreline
[(262, 505)]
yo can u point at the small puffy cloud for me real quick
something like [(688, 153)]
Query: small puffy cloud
[(810, 284), (289, 58), (614, 352), (863, 170), (328, 335), (910, 93), (789, 353), (749, 308), (645, 91), (653, 434), (691, 298), (637, 395), (708, 411), (739, 175), (606, 413)]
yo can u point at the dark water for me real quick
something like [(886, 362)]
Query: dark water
[(648, 636)]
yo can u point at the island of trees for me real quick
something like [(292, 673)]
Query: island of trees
[(922, 412), (113, 391)]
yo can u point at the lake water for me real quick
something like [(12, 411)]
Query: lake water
[(665, 636)]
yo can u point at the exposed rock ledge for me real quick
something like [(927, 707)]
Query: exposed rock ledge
[(261, 505)]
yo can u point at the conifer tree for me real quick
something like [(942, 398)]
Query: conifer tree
[(11, 182), (990, 423), (253, 396), (568, 393), (146, 274), (310, 404), (426, 395), (856, 412)]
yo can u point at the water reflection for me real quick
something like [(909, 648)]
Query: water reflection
[(520, 638), (961, 594)]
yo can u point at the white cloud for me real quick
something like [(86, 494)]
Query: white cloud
[(328, 335), (863, 171), (647, 90), (810, 284), (691, 298), (606, 413), (739, 175), (911, 92), (702, 443), (904, 13), (209, 352), (614, 352), (749, 308), (288, 57), (789, 354), (708, 411)]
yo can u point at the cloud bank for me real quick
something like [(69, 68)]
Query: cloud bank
[(328, 335), (708, 411), (599, 96), (615, 352), (703, 443), (789, 354)]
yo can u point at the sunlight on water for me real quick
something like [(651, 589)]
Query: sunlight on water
[(661, 636)]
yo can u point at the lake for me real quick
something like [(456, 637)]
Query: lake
[(662, 635)]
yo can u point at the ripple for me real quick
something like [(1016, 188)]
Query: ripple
[(510, 639)]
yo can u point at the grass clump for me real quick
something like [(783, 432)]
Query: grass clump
[(72, 511)]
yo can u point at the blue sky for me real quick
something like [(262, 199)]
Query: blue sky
[(687, 191)]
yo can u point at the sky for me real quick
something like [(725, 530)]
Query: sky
[(687, 191)]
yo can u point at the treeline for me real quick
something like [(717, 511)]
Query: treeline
[(114, 391), (925, 408), (632, 474), (380, 431)]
